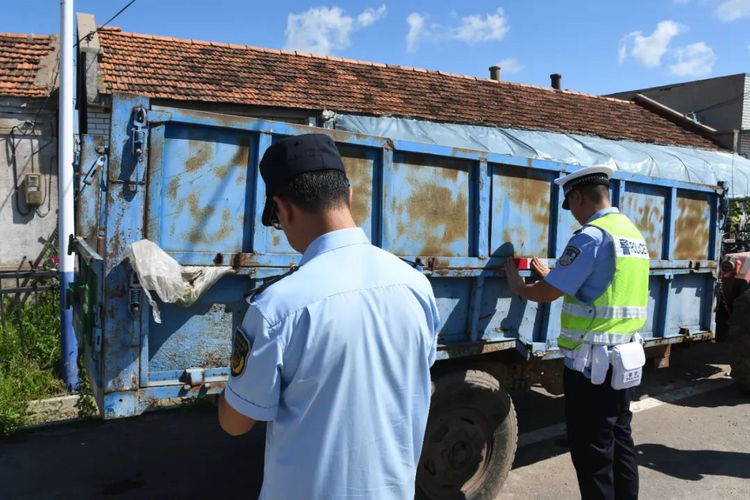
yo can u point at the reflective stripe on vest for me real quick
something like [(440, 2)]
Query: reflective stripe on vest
[(595, 338), (604, 312), (621, 310)]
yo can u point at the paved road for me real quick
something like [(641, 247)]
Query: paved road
[(694, 448)]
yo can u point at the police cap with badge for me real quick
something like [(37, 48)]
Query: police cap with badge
[(588, 176)]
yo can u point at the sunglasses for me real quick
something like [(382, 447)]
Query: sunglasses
[(275, 223)]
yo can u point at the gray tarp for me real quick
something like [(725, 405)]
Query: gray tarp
[(670, 162)]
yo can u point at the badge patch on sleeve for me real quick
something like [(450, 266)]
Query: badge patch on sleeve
[(240, 350), (570, 254)]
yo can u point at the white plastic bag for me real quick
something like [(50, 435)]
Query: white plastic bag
[(174, 284)]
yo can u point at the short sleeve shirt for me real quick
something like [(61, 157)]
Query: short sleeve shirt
[(587, 266), (338, 358)]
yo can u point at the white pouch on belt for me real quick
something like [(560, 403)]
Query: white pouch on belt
[(627, 364)]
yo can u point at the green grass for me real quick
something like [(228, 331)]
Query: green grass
[(28, 371)]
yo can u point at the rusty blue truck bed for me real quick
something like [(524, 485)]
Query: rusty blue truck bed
[(189, 181)]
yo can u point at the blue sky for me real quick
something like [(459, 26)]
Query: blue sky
[(599, 46)]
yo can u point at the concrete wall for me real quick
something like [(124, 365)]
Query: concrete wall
[(24, 229), (692, 96)]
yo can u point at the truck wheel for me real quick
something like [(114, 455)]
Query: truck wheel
[(471, 438), (739, 341)]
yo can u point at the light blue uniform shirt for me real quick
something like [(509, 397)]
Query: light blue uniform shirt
[(340, 353), (589, 275)]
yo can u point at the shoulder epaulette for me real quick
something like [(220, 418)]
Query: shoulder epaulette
[(275, 279)]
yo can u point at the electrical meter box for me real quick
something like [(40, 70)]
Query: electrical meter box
[(33, 190)]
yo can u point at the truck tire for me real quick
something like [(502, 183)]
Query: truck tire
[(471, 438), (739, 341)]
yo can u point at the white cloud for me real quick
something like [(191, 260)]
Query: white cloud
[(370, 15), (648, 50), (731, 10), (323, 30), (417, 31), (475, 29), (510, 65), (697, 59), (470, 30)]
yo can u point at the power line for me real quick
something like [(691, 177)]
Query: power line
[(105, 24), (721, 104)]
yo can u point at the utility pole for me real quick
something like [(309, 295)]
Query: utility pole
[(66, 222)]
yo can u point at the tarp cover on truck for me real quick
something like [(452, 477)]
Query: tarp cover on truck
[(668, 162)]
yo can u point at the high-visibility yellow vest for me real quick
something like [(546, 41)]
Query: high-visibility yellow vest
[(621, 311)]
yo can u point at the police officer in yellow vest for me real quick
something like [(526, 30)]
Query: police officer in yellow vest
[(603, 276)]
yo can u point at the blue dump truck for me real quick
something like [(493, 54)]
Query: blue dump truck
[(188, 181)]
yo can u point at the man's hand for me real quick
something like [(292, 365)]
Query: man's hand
[(541, 291), (515, 282), (539, 267)]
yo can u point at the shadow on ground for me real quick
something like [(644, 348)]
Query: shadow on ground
[(693, 465), (170, 454)]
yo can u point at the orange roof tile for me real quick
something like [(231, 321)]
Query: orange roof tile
[(192, 70), (21, 59)]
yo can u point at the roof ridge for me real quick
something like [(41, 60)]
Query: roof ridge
[(26, 36), (363, 63)]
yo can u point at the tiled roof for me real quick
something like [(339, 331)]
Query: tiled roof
[(171, 68), (21, 58)]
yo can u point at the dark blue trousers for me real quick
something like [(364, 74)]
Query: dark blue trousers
[(601, 446)]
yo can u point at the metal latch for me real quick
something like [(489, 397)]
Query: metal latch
[(134, 294), (140, 122), (97, 334), (140, 127), (195, 376)]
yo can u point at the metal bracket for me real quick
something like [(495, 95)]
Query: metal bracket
[(139, 140), (134, 294), (97, 340), (195, 376)]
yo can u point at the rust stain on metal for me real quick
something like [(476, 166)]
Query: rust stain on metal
[(359, 171), (240, 180), (440, 212), (172, 187), (200, 216), (691, 238), (201, 153), (236, 260), (222, 171), (242, 156), (445, 219), (276, 240), (529, 194), (649, 219), (450, 173)]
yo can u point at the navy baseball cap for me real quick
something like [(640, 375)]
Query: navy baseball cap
[(293, 156)]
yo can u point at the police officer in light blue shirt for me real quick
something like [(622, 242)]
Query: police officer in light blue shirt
[(335, 355)]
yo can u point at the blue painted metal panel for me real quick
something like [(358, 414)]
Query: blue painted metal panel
[(428, 202), (459, 212), (124, 224), (204, 184), (521, 211), (644, 204)]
